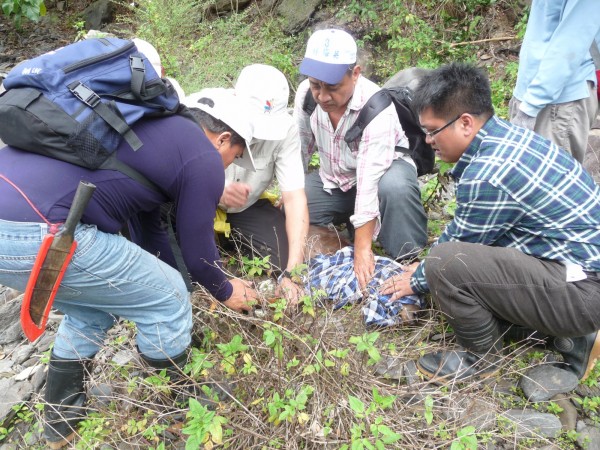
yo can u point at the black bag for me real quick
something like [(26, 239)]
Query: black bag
[(77, 103), (422, 153)]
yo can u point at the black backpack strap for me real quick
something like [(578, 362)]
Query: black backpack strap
[(379, 101), (138, 75), (91, 99), (309, 105), (167, 210), (112, 163)]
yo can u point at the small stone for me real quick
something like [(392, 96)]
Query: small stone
[(531, 424), (411, 373), (541, 383), (388, 367), (23, 353), (25, 374), (123, 357), (478, 413), (6, 368), (588, 437), (568, 417)]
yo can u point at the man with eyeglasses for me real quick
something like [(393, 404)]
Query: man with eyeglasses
[(366, 181), (522, 255)]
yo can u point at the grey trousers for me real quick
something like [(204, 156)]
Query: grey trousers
[(566, 124), (403, 221), (474, 283)]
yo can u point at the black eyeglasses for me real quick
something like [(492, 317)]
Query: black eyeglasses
[(431, 134)]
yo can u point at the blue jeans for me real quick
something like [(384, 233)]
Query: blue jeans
[(403, 221), (108, 278)]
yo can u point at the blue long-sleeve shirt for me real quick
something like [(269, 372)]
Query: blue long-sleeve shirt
[(555, 63), (516, 189), (176, 156)]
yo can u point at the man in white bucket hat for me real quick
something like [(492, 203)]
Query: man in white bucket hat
[(367, 181), (261, 226)]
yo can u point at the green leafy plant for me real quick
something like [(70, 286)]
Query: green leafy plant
[(230, 351), (290, 406), (255, 266), (203, 426), (18, 9), (466, 439), (366, 343)]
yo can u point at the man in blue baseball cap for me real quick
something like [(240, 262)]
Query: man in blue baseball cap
[(366, 182)]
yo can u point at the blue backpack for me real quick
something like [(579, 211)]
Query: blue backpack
[(77, 103)]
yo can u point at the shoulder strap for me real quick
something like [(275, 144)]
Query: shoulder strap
[(377, 103), (309, 104), (168, 210)]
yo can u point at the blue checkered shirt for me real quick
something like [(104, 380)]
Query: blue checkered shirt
[(517, 189), (334, 274)]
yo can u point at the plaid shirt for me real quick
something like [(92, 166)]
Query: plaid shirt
[(516, 189), (360, 164), (335, 275)]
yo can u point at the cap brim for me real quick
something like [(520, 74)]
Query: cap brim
[(271, 127), (326, 72), (245, 161)]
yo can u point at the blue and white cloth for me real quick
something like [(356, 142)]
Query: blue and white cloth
[(335, 275)]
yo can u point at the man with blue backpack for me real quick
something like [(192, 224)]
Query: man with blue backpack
[(371, 181), (177, 160)]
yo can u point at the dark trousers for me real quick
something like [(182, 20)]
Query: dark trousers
[(403, 221), (260, 230), (474, 283)]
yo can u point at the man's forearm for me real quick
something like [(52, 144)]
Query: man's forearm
[(296, 225), (363, 235)]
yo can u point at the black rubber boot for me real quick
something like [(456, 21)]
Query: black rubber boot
[(183, 387), (65, 398), (479, 359), (579, 353), (520, 335)]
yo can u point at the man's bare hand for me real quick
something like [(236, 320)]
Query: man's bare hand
[(243, 297), (399, 285), (235, 195), (364, 266), (289, 290)]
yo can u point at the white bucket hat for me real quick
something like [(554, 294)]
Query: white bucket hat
[(268, 92), (231, 110)]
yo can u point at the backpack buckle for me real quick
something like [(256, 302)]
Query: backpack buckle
[(137, 63), (85, 94)]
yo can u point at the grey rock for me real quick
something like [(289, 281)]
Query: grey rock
[(541, 383), (391, 368), (476, 412), (45, 341), (8, 294), (6, 368), (297, 14), (531, 424), (10, 321), (568, 417), (9, 447), (588, 436), (123, 357), (38, 378), (97, 14), (12, 393), (22, 354), (411, 373)]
